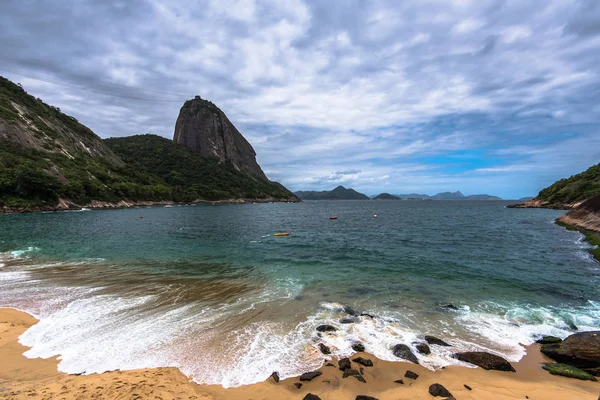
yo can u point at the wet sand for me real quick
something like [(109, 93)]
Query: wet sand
[(23, 378)]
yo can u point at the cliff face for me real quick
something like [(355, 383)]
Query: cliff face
[(585, 216), (204, 128)]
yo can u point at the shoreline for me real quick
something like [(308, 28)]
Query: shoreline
[(23, 378), (66, 205)]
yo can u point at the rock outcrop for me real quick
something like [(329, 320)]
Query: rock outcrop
[(585, 216), (581, 350), (485, 360), (204, 128)]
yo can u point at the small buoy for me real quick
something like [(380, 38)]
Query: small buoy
[(333, 217), (374, 215)]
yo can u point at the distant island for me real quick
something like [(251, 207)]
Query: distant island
[(339, 193), (386, 196), (50, 161)]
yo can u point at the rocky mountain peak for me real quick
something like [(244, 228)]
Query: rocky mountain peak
[(204, 128)]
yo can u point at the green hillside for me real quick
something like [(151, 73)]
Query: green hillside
[(574, 189)]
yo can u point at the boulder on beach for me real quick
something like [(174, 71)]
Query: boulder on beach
[(350, 372), (344, 364), (275, 376), (309, 376), (363, 397), (358, 346), (485, 360), (436, 341), (423, 348), (404, 352), (363, 361), (324, 349), (569, 371), (581, 350), (326, 328), (437, 390), (548, 340)]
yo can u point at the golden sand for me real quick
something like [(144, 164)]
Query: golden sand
[(23, 378)]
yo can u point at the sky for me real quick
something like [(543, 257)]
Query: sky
[(496, 97)]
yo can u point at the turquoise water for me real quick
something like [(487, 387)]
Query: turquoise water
[(209, 289)]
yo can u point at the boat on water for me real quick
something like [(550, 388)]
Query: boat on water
[(333, 217), (281, 234)]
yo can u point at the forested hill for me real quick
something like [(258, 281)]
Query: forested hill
[(569, 191), (49, 160)]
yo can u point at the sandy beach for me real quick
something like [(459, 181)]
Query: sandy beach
[(23, 378)]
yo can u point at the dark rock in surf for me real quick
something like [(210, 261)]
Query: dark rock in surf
[(298, 385), (436, 341), (548, 340), (437, 390), (324, 349), (364, 314), (359, 347), (275, 376), (404, 352), (450, 307), (326, 328), (363, 361), (411, 375), (311, 396), (347, 320), (309, 376), (485, 360), (423, 348), (581, 350), (350, 311)]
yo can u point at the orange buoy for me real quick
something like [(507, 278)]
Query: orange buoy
[(282, 234)]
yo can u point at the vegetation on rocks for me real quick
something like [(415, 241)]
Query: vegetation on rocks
[(574, 189)]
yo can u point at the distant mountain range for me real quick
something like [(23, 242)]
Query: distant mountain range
[(341, 193)]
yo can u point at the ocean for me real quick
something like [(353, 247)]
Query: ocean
[(210, 290)]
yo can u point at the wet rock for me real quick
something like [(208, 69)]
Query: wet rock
[(350, 372), (326, 328), (467, 387), (449, 307), (311, 396), (364, 314), (363, 397), (350, 311), (581, 350), (344, 364), (275, 376), (404, 352), (569, 371), (359, 347), (423, 348), (485, 360), (411, 375), (329, 365), (347, 320), (363, 361), (360, 379), (437, 390), (593, 371), (298, 385), (572, 326), (436, 341), (548, 340), (362, 370), (324, 349), (299, 298), (309, 376), (400, 381)]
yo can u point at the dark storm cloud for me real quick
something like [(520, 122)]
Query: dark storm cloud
[(391, 89)]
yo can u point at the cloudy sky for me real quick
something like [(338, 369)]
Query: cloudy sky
[(498, 97)]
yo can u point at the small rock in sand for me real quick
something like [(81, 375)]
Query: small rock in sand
[(329, 365), (363, 361), (311, 396), (411, 375), (344, 364), (363, 397), (437, 390), (400, 381), (350, 372), (467, 387), (309, 376), (298, 385)]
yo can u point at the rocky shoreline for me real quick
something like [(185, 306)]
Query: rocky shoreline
[(66, 205)]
